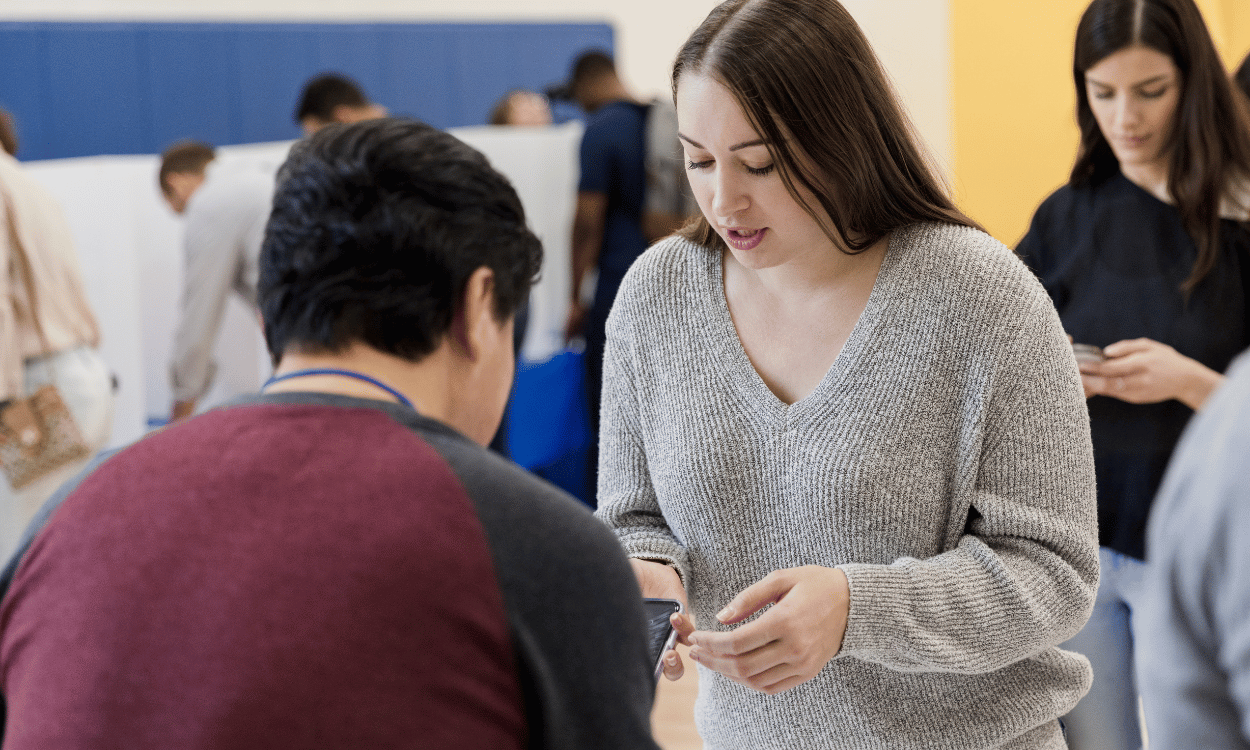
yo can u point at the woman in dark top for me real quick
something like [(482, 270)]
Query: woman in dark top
[(1146, 254)]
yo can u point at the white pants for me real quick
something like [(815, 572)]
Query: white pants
[(86, 386)]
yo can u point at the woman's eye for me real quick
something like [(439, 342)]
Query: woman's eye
[(1103, 94), (698, 164), (1154, 94), (761, 171)]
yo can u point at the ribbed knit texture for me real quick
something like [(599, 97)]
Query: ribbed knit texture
[(943, 463)]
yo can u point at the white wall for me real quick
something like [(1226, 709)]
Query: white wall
[(911, 36)]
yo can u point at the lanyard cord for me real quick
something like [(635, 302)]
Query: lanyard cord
[(343, 373)]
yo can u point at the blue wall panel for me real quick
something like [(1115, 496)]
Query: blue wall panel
[(80, 89)]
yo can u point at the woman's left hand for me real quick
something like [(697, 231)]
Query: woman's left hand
[(791, 642), (1144, 371)]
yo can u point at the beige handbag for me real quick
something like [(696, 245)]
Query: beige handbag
[(38, 436)]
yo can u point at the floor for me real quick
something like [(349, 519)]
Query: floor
[(672, 719)]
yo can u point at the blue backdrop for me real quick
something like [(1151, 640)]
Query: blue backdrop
[(80, 89)]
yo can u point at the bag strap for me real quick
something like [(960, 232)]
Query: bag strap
[(25, 272)]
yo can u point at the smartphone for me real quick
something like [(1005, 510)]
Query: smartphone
[(1088, 353), (661, 637)]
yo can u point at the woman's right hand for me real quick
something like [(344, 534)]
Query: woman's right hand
[(660, 581)]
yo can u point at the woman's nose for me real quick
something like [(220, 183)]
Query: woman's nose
[(729, 198)]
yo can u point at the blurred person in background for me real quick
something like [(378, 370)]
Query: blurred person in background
[(522, 107), (610, 226), (843, 420), (48, 333), (1146, 254), (331, 98), (224, 207), (8, 134), (1193, 633)]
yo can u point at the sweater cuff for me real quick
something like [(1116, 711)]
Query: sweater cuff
[(879, 605), (663, 551)]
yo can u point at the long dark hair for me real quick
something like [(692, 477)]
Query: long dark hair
[(813, 89), (1210, 141)]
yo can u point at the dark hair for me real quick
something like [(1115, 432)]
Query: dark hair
[(591, 65), (184, 157), (8, 133), (324, 93), (376, 228), (1242, 76), (812, 87), (1210, 141)]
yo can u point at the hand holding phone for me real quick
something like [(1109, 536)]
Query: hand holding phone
[(661, 637)]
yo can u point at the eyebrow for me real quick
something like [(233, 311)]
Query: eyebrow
[(1146, 82), (737, 147)]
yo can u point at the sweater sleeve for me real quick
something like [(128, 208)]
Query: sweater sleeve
[(1022, 576), (627, 499)]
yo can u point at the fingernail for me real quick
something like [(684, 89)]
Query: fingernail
[(725, 614), (696, 656), (672, 660)]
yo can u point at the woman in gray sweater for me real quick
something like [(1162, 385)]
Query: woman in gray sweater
[(844, 421)]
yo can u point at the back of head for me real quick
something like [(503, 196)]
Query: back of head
[(376, 228), (813, 89), (1210, 138), (184, 157), (591, 65), (8, 134), (326, 92)]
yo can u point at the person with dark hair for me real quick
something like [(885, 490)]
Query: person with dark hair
[(610, 226), (49, 336), (338, 561), (521, 107), (1146, 254), (8, 134), (843, 420), (330, 98), (224, 206)]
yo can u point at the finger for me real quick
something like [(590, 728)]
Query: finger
[(1125, 366), (784, 684), (673, 666), (755, 597), (745, 667), (738, 641), (684, 625), (1128, 346)]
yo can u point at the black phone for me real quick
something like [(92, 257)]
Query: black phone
[(661, 636)]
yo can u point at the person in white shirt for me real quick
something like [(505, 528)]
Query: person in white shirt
[(225, 207)]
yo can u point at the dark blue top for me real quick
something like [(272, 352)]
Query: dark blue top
[(613, 163), (1113, 258)]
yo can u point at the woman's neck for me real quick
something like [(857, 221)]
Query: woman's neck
[(1152, 177)]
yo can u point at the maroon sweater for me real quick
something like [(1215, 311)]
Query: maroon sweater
[(294, 576)]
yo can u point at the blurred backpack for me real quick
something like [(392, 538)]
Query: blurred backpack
[(668, 190)]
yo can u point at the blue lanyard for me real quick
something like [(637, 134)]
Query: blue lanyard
[(344, 373)]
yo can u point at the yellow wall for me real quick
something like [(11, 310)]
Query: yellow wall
[(1013, 104)]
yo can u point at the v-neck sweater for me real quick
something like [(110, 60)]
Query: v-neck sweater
[(943, 463)]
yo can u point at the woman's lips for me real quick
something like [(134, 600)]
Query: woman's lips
[(1133, 141), (745, 239)]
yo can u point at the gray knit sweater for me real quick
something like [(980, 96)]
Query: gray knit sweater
[(943, 463)]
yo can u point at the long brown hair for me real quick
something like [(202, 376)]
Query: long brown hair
[(813, 89), (1210, 141)]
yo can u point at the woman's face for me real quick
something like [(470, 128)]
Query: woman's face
[(735, 181), (1134, 94)]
